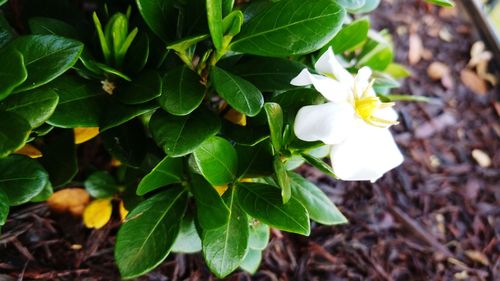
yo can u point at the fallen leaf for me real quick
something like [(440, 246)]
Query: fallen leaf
[(70, 200), (482, 158), (437, 70), (445, 35), (29, 151), (473, 82), (84, 134), (477, 257), (98, 213), (416, 48)]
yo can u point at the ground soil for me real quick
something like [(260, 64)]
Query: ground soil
[(434, 218)]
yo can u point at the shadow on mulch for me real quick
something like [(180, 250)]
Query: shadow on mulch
[(434, 218)]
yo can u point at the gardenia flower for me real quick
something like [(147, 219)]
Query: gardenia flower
[(354, 121)]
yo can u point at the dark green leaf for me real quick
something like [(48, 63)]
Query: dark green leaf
[(138, 53), (145, 87), (290, 28), (188, 241), (239, 93), (35, 106), (147, 235), (282, 179), (182, 91), (318, 163), (12, 71), (244, 135), (45, 57), (167, 172), (59, 158), (275, 120), (14, 132), (319, 206), (46, 192), (259, 235), (263, 202), (252, 260), (101, 184), (160, 16), (255, 161), (217, 160), (211, 209), (49, 26), (293, 100), (6, 32), (227, 7), (21, 178), (350, 36), (224, 248), (4, 207), (127, 143), (180, 135), (214, 16)]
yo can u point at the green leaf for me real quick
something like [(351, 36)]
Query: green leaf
[(21, 178), (4, 207), (46, 192), (239, 93), (377, 53), (59, 157), (227, 7), (231, 24), (217, 160), (138, 54), (318, 163), (127, 143), (398, 71), (182, 92), (188, 241), (282, 179), (167, 172), (263, 202), (147, 86), (259, 235), (160, 16), (255, 161), (319, 206), (252, 261), (45, 57), (34, 106), (214, 16), (224, 248), (245, 135), (269, 74), (12, 71), (181, 135), (49, 26), (101, 184), (290, 27), (147, 235), (6, 32), (14, 132), (211, 209), (275, 120), (350, 36), (444, 3)]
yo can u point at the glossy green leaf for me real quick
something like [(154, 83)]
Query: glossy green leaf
[(101, 184), (211, 209), (252, 261), (275, 120), (255, 161), (21, 178), (217, 160), (231, 24), (239, 93), (148, 233), (290, 28), (45, 57), (377, 53), (188, 241), (4, 207), (59, 157), (50, 26), (6, 31), (319, 206), (160, 16), (14, 132), (259, 235), (46, 192), (147, 86), (12, 71), (127, 143), (182, 92), (138, 54), (318, 163), (224, 248), (180, 135), (167, 172), (350, 36), (444, 3), (244, 135), (227, 7), (214, 16), (34, 106), (263, 202), (282, 179), (268, 74)]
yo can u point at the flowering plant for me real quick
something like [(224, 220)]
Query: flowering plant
[(200, 110)]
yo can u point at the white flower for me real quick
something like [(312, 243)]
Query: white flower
[(354, 121)]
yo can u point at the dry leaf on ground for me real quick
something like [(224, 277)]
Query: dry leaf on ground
[(70, 200)]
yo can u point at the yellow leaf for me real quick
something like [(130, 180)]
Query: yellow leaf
[(70, 200), (98, 213), (236, 117), (123, 211), (84, 134), (115, 163), (221, 189), (29, 151)]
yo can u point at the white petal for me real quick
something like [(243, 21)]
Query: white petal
[(367, 154), (387, 113), (330, 123), (332, 90), (362, 79), (328, 64)]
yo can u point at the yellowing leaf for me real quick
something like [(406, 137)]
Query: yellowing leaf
[(70, 200), (29, 151), (123, 211), (236, 117), (221, 189), (84, 134), (98, 213), (115, 163)]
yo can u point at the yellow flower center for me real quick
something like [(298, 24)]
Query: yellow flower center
[(367, 105)]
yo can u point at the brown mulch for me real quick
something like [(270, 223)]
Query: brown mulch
[(437, 217)]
